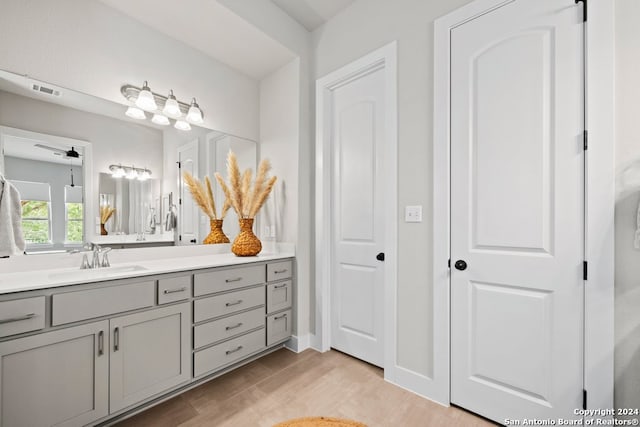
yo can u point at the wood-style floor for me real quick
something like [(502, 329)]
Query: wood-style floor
[(285, 385)]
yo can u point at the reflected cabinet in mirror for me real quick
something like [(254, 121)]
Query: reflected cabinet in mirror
[(60, 144)]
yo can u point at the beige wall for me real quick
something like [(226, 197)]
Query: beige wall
[(627, 258), (87, 46), (365, 26)]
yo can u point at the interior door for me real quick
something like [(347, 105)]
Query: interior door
[(517, 211), (188, 218), (357, 129)]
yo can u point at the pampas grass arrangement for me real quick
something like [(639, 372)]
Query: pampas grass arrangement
[(246, 201), (105, 213), (203, 196)]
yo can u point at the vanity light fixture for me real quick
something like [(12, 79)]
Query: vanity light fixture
[(129, 172), (182, 125), (145, 99), (162, 107)]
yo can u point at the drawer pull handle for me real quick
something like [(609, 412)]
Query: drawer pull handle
[(100, 343), (237, 279), (228, 352), (229, 304), (280, 286), (228, 328), (175, 291), (280, 317), (18, 318), (116, 339), (284, 270)]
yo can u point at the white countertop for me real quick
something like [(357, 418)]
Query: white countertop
[(126, 263)]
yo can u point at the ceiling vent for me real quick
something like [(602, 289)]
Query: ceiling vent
[(44, 89)]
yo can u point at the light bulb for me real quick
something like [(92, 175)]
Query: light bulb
[(144, 175), (132, 174), (171, 107), (135, 113), (194, 115), (117, 171), (161, 120), (145, 99), (182, 125)]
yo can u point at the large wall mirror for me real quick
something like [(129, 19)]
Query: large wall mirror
[(51, 135)]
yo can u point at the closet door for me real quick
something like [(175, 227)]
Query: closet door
[(517, 211)]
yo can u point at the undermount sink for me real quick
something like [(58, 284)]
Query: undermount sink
[(93, 273)]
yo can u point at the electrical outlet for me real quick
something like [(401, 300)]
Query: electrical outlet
[(267, 231), (273, 231), (413, 214)]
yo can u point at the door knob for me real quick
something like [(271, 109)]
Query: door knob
[(380, 256), (460, 265)]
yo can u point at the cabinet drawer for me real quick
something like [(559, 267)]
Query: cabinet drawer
[(226, 280), (221, 329), (279, 296), (213, 358), (279, 327), (21, 315), (80, 305), (279, 270), (174, 289), (232, 302)]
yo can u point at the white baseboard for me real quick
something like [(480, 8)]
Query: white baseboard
[(298, 344)]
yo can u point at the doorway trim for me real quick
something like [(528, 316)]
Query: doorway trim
[(384, 58), (599, 197)]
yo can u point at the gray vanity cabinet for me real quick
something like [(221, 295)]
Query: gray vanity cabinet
[(55, 378), (149, 354)]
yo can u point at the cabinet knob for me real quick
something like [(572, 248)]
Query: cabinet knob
[(380, 256)]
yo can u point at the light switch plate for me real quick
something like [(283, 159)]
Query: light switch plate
[(413, 214)]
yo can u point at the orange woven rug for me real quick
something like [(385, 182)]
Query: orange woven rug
[(320, 422)]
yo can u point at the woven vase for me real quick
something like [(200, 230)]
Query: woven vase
[(216, 235), (246, 243)]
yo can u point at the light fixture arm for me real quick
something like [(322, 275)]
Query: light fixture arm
[(131, 92)]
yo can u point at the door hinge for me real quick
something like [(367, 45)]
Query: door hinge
[(449, 263), (180, 237), (180, 201), (585, 140), (179, 165), (584, 9), (584, 399), (584, 270)]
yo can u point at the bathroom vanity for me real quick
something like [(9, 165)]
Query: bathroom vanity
[(85, 347)]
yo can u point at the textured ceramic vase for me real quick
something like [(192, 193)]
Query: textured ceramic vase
[(246, 243), (216, 235)]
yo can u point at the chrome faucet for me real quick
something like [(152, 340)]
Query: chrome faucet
[(95, 262)]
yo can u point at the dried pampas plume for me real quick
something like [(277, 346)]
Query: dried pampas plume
[(245, 200), (203, 195)]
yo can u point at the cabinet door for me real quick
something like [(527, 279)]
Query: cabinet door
[(149, 354), (56, 378)]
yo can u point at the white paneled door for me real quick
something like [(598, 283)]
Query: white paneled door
[(517, 211), (357, 130), (188, 218)]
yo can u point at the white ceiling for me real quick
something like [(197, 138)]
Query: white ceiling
[(312, 13), (26, 149), (211, 28)]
